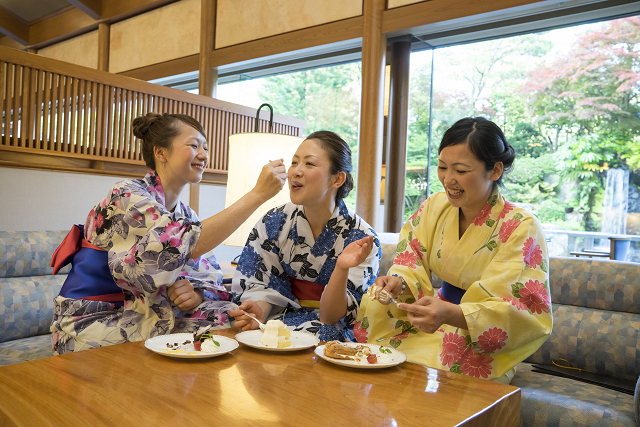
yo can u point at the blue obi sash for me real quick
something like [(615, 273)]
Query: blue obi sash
[(90, 277), (448, 292)]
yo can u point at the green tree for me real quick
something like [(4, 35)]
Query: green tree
[(586, 103)]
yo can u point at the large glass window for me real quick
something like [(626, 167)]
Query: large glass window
[(328, 98), (568, 102)]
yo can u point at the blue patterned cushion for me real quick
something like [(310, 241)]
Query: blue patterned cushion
[(31, 348), (548, 400), (26, 305), (28, 253), (602, 284), (598, 341)]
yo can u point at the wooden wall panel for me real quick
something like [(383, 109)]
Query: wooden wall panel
[(397, 3), (81, 50), (240, 21), (163, 34)]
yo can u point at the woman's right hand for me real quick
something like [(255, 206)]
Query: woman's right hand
[(245, 322), (271, 180), (391, 284)]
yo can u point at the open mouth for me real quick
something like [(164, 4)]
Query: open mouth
[(454, 192), (296, 185), (199, 167)]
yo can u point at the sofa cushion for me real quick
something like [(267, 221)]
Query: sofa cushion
[(548, 400), (31, 348), (600, 284), (9, 360), (26, 305), (28, 253), (598, 341)]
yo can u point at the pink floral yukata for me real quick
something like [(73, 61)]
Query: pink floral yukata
[(148, 249)]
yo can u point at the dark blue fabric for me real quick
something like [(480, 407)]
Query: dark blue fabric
[(451, 293), (89, 276)]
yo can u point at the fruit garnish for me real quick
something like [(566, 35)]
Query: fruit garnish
[(372, 358)]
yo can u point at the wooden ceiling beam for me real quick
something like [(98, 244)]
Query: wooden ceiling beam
[(14, 27), (75, 22), (93, 8)]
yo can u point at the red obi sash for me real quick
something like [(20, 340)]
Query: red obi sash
[(308, 293)]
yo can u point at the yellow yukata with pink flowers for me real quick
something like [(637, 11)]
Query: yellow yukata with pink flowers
[(502, 263)]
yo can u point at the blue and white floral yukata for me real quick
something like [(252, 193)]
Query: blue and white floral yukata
[(285, 266), (145, 248)]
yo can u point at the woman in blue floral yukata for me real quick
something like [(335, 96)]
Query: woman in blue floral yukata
[(309, 262), (140, 263)]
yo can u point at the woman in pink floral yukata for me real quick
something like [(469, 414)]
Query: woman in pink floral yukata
[(493, 309), (140, 263)]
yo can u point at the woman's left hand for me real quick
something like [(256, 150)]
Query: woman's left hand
[(184, 295), (355, 253), (429, 313)]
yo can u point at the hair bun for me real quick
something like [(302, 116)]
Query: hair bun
[(141, 125)]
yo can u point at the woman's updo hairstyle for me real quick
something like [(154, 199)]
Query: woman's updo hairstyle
[(159, 130), (339, 155), (486, 141)]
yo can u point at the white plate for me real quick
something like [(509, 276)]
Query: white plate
[(385, 360), (159, 345), (299, 340)]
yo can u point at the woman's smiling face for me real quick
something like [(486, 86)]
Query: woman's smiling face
[(310, 179), (186, 160), (465, 179)]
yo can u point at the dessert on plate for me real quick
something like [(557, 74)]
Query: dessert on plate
[(276, 335), (203, 341), (338, 350)]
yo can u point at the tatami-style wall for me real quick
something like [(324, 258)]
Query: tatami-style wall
[(240, 21)]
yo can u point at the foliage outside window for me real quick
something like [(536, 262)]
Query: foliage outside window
[(327, 98), (568, 102)]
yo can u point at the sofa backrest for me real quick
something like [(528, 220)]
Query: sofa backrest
[(28, 253), (596, 316), (27, 286)]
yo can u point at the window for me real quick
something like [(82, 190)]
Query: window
[(328, 98), (567, 100)]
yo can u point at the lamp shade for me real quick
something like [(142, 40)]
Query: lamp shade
[(248, 153)]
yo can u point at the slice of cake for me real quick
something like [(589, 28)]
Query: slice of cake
[(376, 293), (338, 350), (276, 335)]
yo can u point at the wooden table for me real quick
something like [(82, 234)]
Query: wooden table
[(128, 385)]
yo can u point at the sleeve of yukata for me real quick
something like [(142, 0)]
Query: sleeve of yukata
[(361, 277), (259, 275), (148, 245), (508, 310), (412, 252)]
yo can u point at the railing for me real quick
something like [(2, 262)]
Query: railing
[(563, 242), (60, 109)]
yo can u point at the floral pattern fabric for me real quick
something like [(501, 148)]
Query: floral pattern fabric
[(281, 245), (149, 249), (501, 261)]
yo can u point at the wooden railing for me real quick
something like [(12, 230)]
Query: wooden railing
[(67, 111)]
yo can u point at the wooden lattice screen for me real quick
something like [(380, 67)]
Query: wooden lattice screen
[(60, 109)]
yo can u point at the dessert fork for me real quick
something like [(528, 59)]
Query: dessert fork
[(260, 324)]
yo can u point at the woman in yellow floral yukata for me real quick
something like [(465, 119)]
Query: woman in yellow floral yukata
[(493, 309)]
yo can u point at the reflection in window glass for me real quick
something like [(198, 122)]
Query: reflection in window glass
[(568, 101), (327, 98)]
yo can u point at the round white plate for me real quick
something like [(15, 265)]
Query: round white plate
[(385, 360), (159, 345), (299, 340)]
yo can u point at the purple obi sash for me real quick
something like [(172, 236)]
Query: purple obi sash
[(90, 277), (450, 293)]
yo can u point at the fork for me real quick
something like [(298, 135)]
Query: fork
[(260, 324)]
